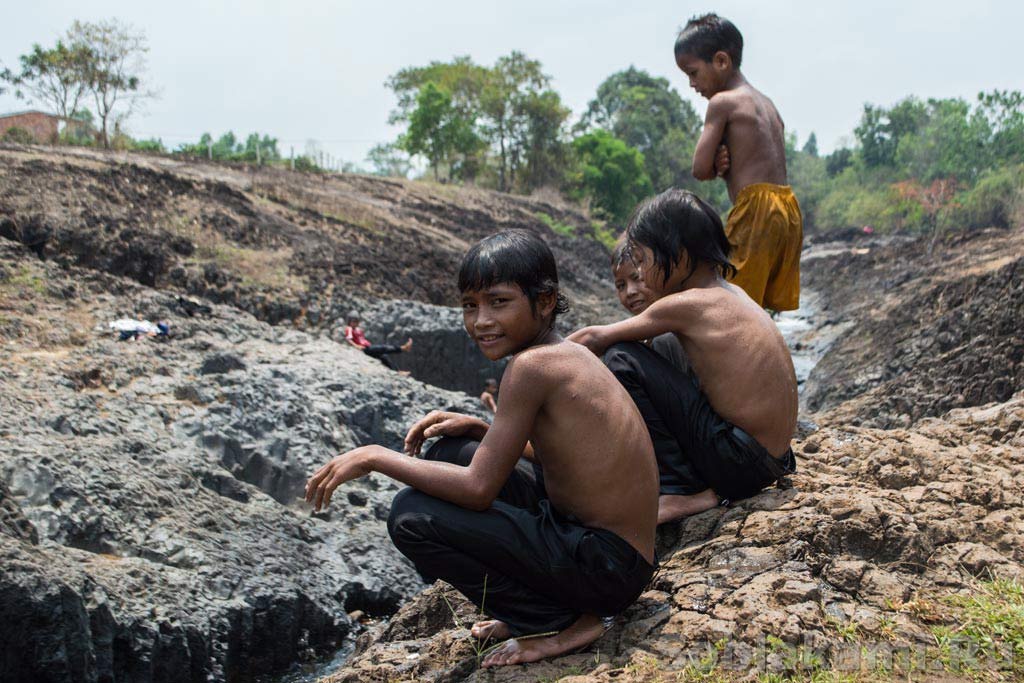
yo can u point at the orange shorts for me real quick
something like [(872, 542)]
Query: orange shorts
[(766, 232)]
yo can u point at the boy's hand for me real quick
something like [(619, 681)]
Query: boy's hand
[(722, 161), (440, 423), (592, 337), (340, 469)]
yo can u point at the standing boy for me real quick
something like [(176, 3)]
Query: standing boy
[(765, 227), (722, 429), (537, 558)]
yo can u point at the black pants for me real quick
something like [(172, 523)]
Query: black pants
[(521, 561), (380, 352), (695, 447)]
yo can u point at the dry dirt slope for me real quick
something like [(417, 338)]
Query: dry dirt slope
[(281, 245)]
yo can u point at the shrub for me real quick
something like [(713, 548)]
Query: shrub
[(19, 135), (996, 200)]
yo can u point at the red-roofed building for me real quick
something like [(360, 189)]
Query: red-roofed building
[(42, 126)]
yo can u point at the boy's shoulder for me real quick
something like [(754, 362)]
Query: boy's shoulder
[(734, 97), (548, 360), (694, 303)]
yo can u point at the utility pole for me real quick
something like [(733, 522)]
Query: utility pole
[(291, 156), (257, 154), (209, 150)]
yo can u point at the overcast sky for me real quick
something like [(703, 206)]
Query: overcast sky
[(315, 69)]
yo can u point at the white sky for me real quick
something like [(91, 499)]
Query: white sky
[(315, 69)]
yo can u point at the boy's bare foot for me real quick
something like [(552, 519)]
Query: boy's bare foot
[(407, 345), (671, 508), (586, 630), (490, 629)]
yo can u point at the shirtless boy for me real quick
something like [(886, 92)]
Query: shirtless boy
[(538, 558), (635, 296), (765, 226), (721, 431)]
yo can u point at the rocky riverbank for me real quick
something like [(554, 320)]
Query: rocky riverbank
[(149, 522), (150, 528), (896, 551)]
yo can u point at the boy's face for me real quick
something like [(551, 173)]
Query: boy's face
[(634, 295), (501, 320), (707, 78), (652, 275)]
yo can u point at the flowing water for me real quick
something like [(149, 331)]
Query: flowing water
[(802, 330)]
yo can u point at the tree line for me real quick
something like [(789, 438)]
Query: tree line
[(503, 126), (918, 164)]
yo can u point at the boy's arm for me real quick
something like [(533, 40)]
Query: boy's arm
[(710, 138), (667, 314), (474, 487)]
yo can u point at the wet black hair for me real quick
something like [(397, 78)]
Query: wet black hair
[(678, 221), (515, 256), (707, 34), (620, 254)]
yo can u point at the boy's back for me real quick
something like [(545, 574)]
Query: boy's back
[(589, 437), (743, 363)]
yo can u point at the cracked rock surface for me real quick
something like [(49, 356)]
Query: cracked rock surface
[(898, 504), (150, 522)]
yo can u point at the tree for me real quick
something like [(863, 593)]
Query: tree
[(436, 129), (544, 151), (56, 77), (1004, 110), (811, 146), (837, 161), (505, 107), (389, 160), (880, 129), (951, 142), (649, 115), (80, 129), (115, 69), (610, 173)]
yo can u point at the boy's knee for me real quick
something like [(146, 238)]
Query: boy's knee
[(457, 450), (621, 357), (407, 510)]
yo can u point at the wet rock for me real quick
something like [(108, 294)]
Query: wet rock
[(156, 533), (220, 363)]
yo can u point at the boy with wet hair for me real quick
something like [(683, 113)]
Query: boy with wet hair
[(722, 430), (765, 226), (556, 556)]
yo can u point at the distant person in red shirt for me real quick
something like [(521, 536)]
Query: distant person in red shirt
[(354, 335)]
